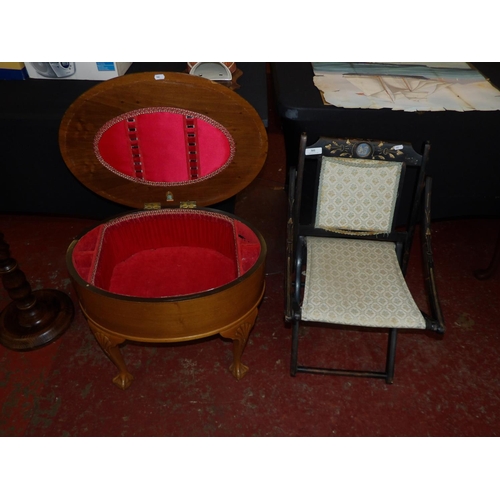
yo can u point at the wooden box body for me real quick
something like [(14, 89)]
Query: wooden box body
[(170, 273)]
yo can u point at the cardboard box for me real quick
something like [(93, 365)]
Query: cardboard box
[(13, 71), (77, 70)]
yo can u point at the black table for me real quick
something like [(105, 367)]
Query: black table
[(34, 178), (464, 160)]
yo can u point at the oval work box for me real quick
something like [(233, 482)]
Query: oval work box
[(167, 144)]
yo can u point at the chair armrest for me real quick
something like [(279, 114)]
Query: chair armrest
[(294, 201), (436, 322), (290, 246)]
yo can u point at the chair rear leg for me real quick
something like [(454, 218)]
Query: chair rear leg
[(295, 347), (391, 355)]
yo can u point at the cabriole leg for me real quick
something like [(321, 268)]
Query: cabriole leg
[(111, 346), (239, 336)]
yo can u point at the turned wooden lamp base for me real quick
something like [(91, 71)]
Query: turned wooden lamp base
[(49, 318), (33, 318)]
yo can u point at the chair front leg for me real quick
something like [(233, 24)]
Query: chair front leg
[(391, 355), (295, 347)]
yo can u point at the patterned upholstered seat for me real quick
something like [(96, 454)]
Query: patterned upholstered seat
[(357, 282), (346, 261)]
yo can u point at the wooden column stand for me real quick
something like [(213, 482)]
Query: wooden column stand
[(33, 318)]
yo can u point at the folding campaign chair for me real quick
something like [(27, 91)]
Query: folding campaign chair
[(346, 260)]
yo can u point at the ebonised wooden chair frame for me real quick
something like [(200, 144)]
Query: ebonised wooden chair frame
[(300, 227)]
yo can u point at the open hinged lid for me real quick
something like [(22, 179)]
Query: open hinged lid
[(163, 139)]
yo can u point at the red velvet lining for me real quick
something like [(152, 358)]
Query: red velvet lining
[(157, 146), (166, 253), (185, 270)]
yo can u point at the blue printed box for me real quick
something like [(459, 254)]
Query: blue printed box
[(77, 70)]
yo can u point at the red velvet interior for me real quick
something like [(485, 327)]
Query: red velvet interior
[(164, 145), (166, 253)]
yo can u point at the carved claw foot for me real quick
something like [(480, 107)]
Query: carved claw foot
[(238, 370), (123, 380)]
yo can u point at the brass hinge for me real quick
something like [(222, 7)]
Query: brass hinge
[(187, 204), (152, 206)]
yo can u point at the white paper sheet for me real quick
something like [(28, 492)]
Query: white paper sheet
[(406, 86)]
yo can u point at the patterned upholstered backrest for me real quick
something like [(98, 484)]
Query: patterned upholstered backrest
[(357, 195)]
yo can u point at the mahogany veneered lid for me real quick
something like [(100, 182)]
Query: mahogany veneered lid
[(163, 138)]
